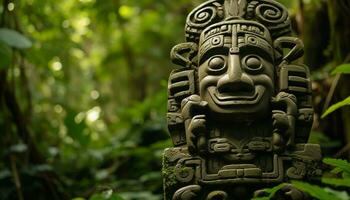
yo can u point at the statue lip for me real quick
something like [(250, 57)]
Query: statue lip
[(239, 157), (239, 99)]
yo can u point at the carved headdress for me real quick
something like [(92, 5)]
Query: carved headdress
[(269, 16), (269, 13)]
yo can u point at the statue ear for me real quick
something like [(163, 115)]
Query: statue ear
[(183, 54), (294, 47)]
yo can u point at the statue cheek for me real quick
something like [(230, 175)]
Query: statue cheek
[(265, 80), (208, 81)]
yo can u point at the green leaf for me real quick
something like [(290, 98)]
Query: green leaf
[(261, 198), (271, 192), (336, 170), (346, 175), (314, 191), (340, 194), (342, 69), (14, 39), (336, 106), (323, 140), (337, 181), (341, 164), (5, 55)]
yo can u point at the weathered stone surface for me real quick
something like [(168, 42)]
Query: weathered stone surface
[(239, 109)]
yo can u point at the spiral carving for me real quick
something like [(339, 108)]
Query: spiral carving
[(271, 14), (202, 17), (184, 174)]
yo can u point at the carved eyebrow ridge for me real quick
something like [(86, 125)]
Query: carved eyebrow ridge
[(266, 54), (221, 50), (224, 50)]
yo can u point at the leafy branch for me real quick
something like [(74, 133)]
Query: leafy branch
[(318, 192), (342, 69)]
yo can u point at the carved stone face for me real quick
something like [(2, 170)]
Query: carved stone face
[(236, 72)]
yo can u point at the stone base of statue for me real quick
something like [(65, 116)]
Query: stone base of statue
[(193, 178)]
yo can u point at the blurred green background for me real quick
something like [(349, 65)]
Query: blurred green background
[(83, 87)]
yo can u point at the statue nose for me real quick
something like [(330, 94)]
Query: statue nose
[(235, 80)]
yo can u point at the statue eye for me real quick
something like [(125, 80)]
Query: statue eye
[(253, 63), (216, 64)]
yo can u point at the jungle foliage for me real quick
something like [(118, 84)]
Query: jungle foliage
[(83, 94)]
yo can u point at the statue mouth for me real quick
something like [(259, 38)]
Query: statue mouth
[(237, 98)]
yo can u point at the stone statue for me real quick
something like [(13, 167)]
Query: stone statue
[(239, 109)]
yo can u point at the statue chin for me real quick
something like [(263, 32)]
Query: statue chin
[(239, 106)]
